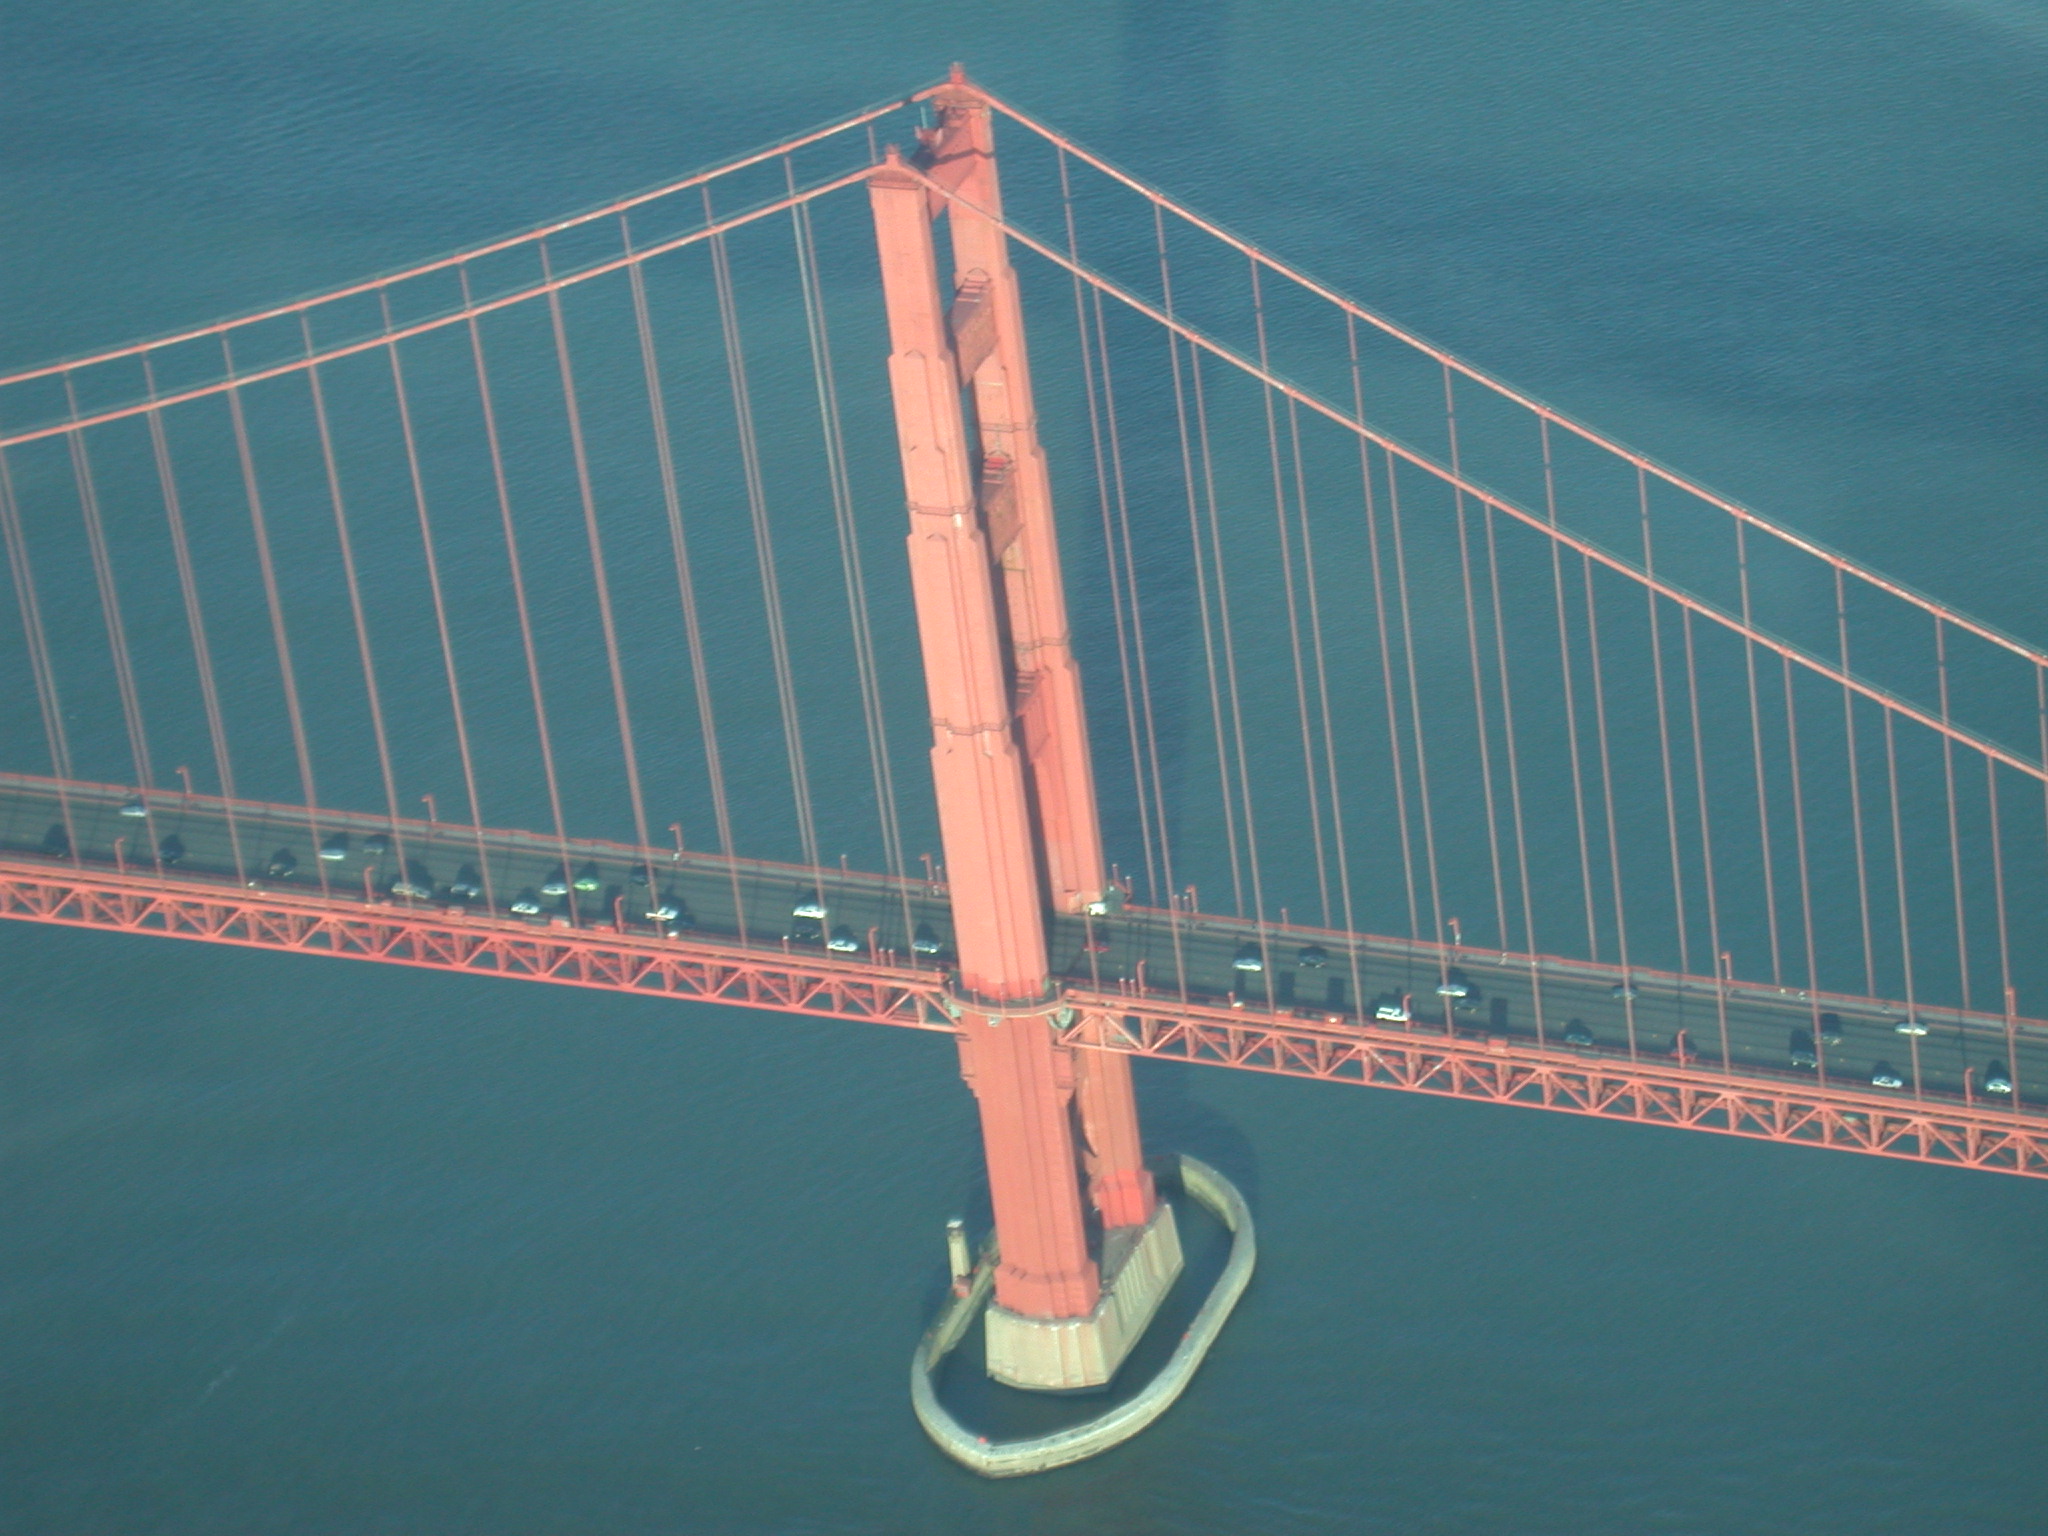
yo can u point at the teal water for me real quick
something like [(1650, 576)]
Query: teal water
[(298, 1246)]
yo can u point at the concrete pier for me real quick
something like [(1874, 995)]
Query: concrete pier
[(1075, 1354), (1041, 1453)]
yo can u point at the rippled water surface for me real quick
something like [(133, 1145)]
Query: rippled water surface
[(293, 1246)]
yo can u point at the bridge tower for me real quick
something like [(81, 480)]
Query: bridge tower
[(1010, 763)]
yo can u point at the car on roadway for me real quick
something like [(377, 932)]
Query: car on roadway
[(414, 883), (527, 903), (557, 882), (1623, 991), (335, 848), (925, 941), (1391, 1009), (376, 845), (1250, 959), (805, 930), (809, 904), (172, 849), (1882, 1076), (665, 908), (1997, 1079), (1313, 957), (1831, 1029), (843, 942), (588, 879), (1911, 1026), (134, 806), (57, 841), (1577, 1034), (282, 865), (1454, 986), (1802, 1051), (467, 885)]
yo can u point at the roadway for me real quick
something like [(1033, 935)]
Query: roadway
[(240, 845)]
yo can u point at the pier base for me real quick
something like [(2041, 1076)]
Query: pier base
[(1041, 1453), (1077, 1354)]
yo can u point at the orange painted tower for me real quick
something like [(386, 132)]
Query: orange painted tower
[(1010, 763)]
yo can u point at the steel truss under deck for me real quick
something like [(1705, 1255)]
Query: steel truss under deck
[(1488, 1069)]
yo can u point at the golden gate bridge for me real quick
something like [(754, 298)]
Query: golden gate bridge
[(1434, 740)]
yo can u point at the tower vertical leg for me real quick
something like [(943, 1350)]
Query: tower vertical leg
[(1058, 1322), (1054, 726), (1020, 1077)]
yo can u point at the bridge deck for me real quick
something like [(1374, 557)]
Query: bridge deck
[(1136, 977)]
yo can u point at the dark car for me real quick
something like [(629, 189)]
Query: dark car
[(56, 841), (282, 864), (806, 930), (1802, 1050), (926, 942), (414, 884), (1831, 1029), (1313, 957), (171, 849), (377, 844), (1577, 1034), (467, 885)]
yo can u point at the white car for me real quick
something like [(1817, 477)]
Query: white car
[(1249, 959), (1911, 1026), (1882, 1076), (527, 903), (1997, 1079), (1393, 1013), (843, 942), (808, 906), (135, 807)]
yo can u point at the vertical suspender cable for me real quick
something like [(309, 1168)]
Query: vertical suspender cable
[(1948, 779), (764, 544), (195, 621), (686, 584), (1571, 706), (851, 572), (252, 494), (1123, 553), (1607, 798), (110, 603), (419, 502), (1215, 531), (1756, 745), (1891, 764), (607, 621), (1321, 659), (1436, 895), (353, 585), (1482, 732), (2006, 999), (1855, 789), (519, 601), (48, 698), (1125, 668), (1507, 712), (1308, 753), (1699, 778), (1379, 611), (1201, 567), (1664, 730), (1805, 876)]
